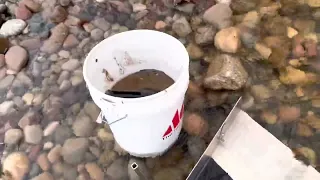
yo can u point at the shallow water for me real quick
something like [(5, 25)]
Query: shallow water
[(47, 113)]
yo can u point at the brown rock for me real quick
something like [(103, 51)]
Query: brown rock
[(43, 162), (31, 44), (225, 72), (17, 165), (194, 90), (195, 125), (70, 42), (16, 58), (58, 34), (194, 51), (263, 50), (54, 154), (94, 171), (228, 40), (269, 117), (304, 130), (59, 14), (295, 76), (33, 6), (313, 121), (305, 26), (288, 113), (22, 12)]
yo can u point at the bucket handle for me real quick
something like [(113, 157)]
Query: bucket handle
[(103, 117)]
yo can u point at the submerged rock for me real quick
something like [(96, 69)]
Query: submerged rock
[(226, 72)]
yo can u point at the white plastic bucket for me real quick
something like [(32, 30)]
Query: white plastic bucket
[(147, 126)]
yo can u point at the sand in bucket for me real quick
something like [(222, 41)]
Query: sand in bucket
[(144, 126)]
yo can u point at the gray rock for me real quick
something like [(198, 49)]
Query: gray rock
[(219, 15), (97, 34), (12, 27), (36, 69), (226, 72), (142, 168), (6, 82), (33, 134), (92, 110), (186, 7), (196, 147), (205, 35), (74, 149), (118, 170), (63, 76), (71, 65), (102, 24), (182, 27), (69, 173), (83, 126), (35, 170), (64, 2), (65, 85), (61, 134), (12, 136)]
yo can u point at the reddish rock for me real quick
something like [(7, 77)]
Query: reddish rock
[(43, 162), (59, 14), (33, 154), (311, 48), (70, 42), (16, 58), (33, 6), (194, 91), (298, 51), (58, 34), (31, 44), (22, 12), (288, 113), (195, 125)]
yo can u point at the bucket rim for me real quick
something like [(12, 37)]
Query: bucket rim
[(153, 96)]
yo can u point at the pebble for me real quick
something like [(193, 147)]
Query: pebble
[(31, 44), (104, 135), (74, 149), (12, 27), (2, 60), (205, 35), (263, 50), (38, 99), (83, 126), (118, 169), (291, 32), (230, 75), (65, 85), (22, 12), (32, 5), (269, 117), (138, 7), (28, 98), (2, 75), (195, 125), (196, 147), (97, 34), (219, 15), (13, 136), (182, 27), (70, 42), (58, 15), (71, 65), (54, 154), (228, 40), (260, 92), (58, 34), (313, 3), (17, 164), (92, 110), (194, 51), (16, 58), (6, 107), (102, 24), (64, 2), (48, 145), (51, 127), (288, 113), (44, 176), (33, 134), (62, 133), (76, 80), (43, 162), (94, 171)]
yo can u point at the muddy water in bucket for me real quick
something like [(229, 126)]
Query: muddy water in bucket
[(140, 84)]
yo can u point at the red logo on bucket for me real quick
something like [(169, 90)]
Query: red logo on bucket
[(175, 122)]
